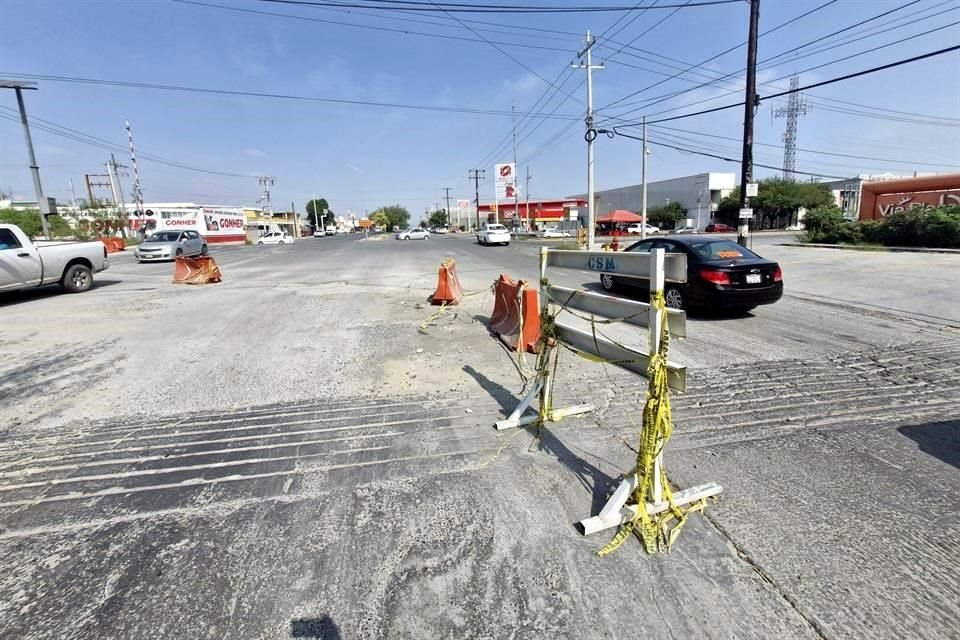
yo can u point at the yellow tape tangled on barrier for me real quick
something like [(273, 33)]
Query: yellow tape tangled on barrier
[(655, 531)]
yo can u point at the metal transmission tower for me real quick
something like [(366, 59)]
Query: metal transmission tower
[(796, 107)]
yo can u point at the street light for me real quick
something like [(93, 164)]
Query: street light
[(42, 203)]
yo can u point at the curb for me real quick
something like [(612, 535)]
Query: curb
[(853, 247)]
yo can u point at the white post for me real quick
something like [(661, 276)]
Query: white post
[(655, 323), (643, 196)]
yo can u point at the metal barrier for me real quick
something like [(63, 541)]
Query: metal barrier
[(555, 301)]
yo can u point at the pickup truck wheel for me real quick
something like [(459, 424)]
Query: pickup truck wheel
[(77, 279)]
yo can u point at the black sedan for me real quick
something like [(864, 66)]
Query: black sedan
[(721, 274)]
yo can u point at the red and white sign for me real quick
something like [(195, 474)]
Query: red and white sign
[(215, 225), (506, 173)]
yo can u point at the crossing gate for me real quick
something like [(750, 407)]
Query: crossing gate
[(654, 505)]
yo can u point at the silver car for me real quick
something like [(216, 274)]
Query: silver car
[(167, 245)]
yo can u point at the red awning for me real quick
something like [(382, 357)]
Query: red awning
[(620, 215)]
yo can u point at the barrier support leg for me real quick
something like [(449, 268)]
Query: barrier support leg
[(514, 419), (622, 515)]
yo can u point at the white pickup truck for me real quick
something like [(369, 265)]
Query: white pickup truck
[(24, 265)]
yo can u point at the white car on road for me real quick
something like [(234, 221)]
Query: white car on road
[(553, 232), (24, 264), (493, 234), (275, 237), (414, 234), (638, 228)]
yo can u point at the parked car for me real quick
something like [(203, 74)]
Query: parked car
[(719, 228), (275, 237), (684, 229), (721, 274), (553, 232), (331, 230), (440, 230), (24, 265), (319, 233), (167, 245), (636, 229), (414, 234), (491, 233)]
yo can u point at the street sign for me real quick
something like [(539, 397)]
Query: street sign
[(746, 214), (574, 213), (506, 173), (752, 189)]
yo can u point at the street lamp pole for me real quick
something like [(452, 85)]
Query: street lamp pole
[(42, 203)]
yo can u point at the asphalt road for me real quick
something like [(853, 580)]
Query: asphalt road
[(289, 454)]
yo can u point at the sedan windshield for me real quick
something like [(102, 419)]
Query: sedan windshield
[(721, 250), (496, 227), (164, 236)]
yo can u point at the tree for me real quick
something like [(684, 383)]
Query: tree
[(669, 213), (439, 218), (29, 222), (315, 211), (777, 203), (397, 215), (380, 219)]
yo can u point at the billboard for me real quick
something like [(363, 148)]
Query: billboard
[(214, 224), (506, 181)]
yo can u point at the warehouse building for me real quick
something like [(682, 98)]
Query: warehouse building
[(699, 194)]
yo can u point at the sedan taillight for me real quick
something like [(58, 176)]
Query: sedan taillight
[(778, 275), (716, 277)]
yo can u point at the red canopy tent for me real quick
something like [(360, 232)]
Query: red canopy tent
[(620, 216)]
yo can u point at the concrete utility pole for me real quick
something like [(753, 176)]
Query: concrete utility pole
[(42, 202), (73, 193), (701, 181), (591, 133), (266, 182), (516, 196), (526, 194), (447, 189), (117, 189), (751, 100), (477, 175), (643, 192)]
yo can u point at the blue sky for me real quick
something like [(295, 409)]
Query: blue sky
[(360, 157)]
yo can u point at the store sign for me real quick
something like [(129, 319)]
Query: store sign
[(746, 214), (891, 203)]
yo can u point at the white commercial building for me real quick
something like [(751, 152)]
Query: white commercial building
[(699, 194)]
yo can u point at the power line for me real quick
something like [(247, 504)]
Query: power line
[(277, 96), (367, 26), (848, 76), (721, 54), (490, 8), (662, 98), (816, 151), (84, 138), (724, 158)]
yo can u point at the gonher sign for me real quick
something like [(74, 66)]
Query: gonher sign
[(215, 225)]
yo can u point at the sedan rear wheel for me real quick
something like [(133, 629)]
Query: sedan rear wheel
[(675, 299), (606, 281)]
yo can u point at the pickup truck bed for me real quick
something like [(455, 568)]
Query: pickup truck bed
[(24, 264)]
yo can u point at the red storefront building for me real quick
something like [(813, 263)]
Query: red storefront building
[(534, 213)]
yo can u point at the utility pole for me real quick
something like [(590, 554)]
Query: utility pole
[(266, 182), (591, 134), (73, 194), (117, 189), (42, 203), (477, 175), (701, 181), (526, 192), (796, 106), (91, 202), (516, 196), (751, 100), (447, 189), (643, 192), (137, 191)]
